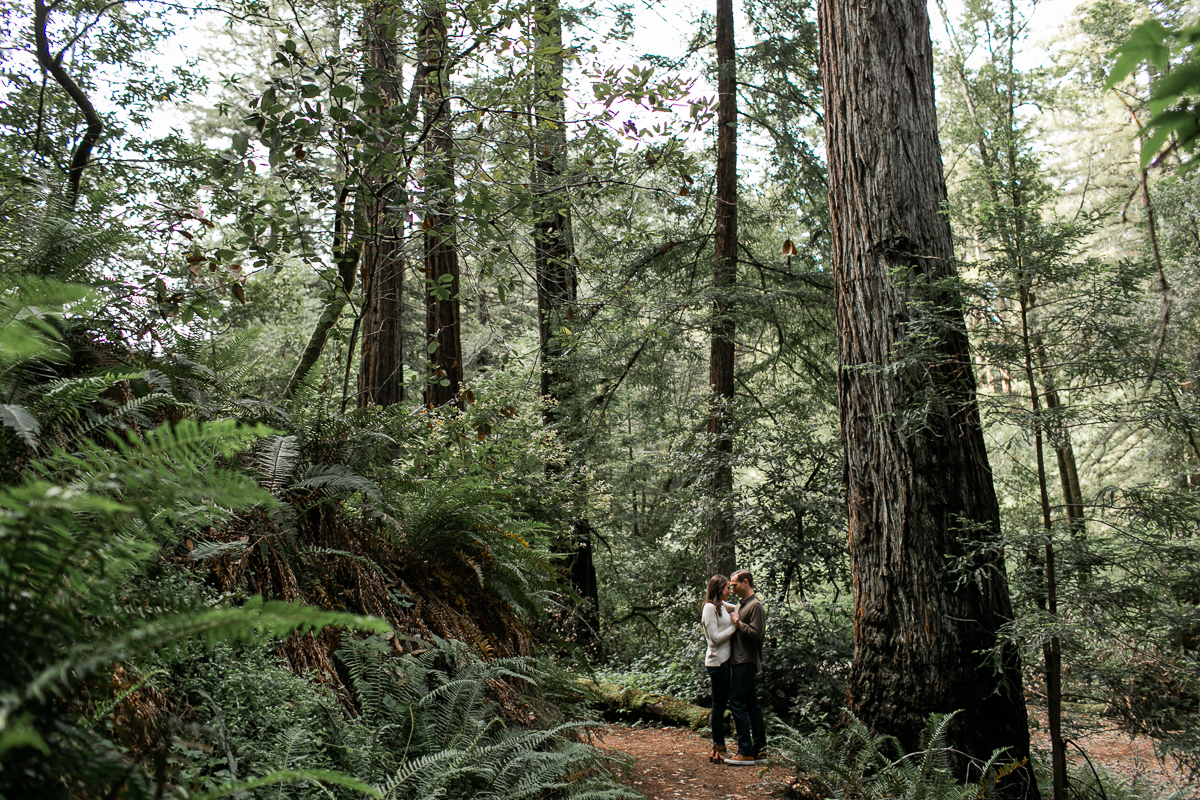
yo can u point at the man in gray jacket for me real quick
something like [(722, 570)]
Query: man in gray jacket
[(745, 661)]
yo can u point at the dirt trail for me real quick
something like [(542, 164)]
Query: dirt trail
[(672, 764)]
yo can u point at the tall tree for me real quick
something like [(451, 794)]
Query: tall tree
[(722, 351), (381, 371), (553, 248), (442, 319), (554, 266), (919, 487)]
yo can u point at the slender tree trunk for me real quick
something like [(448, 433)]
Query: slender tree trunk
[(348, 230), (1005, 192), (443, 328), (1064, 450), (52, 64), (919, 487), (554, 265), (721, 353), (553, 248), (1047, 598), (381, 368)]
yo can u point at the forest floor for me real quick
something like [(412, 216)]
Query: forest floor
[(672, 763), (1111, 749)]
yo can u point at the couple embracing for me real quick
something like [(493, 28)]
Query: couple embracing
[(734, 656)]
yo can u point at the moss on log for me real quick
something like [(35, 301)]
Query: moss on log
[(623, 704)]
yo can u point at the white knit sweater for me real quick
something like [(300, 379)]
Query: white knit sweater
[(718, 630)]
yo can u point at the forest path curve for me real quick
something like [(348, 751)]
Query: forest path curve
[(672, 764)]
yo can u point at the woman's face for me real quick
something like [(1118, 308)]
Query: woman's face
[(725, 592)]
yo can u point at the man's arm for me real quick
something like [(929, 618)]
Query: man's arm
[(753, 622)]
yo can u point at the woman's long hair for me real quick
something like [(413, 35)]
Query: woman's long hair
[(716, 587)]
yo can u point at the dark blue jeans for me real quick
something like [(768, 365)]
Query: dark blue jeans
[(747, 714), (719, 678)]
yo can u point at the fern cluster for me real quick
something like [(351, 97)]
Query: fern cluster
[(430, 727), (73, 535), (91, 501), (453, 556), (423, 725), (853, 763)]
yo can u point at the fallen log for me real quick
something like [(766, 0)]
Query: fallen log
[(624, 704)]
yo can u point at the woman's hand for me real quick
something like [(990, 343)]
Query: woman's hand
[(733, 615)]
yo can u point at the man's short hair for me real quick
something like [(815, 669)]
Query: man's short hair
[(743, 574)]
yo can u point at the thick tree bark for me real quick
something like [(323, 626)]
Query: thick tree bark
[(721, 352), (919, 488), (443, 329), (381, 369)]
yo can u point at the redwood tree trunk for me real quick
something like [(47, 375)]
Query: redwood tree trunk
[(721, 352), (442, 320), (381, 369), (919, 487)]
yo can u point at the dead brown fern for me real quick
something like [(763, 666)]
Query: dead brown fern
[(334, 561)]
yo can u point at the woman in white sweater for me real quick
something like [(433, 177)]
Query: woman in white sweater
[(718, 619)]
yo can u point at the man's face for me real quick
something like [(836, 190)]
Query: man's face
[(740, 587)]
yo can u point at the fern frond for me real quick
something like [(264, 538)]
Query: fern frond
[(935, 756), (335, 480), (203, 551), (131, 409), (21, 422), (286, 776), (447, 761), (106, 708), (361, 559), (291, 741), (25, 308), (275, 619), (54, 246), (274, 459), (64, 398), (233, 352)]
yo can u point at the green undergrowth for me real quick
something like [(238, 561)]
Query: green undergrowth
[(422, 726), (851, 763), (204, 595)]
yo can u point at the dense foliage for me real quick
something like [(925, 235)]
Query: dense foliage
[(226, 571)]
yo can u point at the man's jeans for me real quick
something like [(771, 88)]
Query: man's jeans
[(719, 678), (747, 714)]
